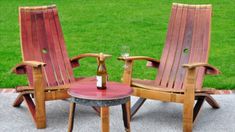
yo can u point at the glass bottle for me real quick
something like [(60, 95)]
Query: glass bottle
[(101, 73)]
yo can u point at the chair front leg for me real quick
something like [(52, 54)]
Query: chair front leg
[(127, 74), (39, 95), (189, 96), (188, 117)]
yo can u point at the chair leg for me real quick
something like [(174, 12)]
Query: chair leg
[(198, 107), (97, 109), (30, 105), (188, 117), (39, 97), (18, 101), (71, 116), (137, 105), (38, 113), (212, 102), (104, 114), (126, 116)]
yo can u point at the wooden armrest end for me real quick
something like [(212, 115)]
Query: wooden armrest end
[(21, 68), (153, 64), (75, 60), (211, 70)]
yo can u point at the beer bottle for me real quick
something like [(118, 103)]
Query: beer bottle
[(101, 73)]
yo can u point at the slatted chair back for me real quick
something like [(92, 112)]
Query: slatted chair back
[(187, 41), (42, 40)]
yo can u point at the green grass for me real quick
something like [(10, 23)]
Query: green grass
[(105, 25)]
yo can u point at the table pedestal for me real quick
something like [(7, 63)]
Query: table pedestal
[(104, 111), (86, 93)]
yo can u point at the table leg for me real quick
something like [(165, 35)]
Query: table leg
[(126, 115), (71, 116), (104, 114)]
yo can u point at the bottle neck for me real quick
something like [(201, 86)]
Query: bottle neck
[(102, 63)]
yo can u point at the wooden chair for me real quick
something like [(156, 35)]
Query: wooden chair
[(183, 64), (45, 61)]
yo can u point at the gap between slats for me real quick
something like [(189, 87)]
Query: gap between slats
[(173, 49), (166, 47)]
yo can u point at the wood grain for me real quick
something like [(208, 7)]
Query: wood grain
[(182, 66), (45, 60), (104, 114), (71, 116)]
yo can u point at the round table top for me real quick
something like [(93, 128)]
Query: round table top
[(88, 90)]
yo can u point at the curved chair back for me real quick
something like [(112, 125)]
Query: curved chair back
[(188, 41), (42, 40)]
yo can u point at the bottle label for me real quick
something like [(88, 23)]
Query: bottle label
[(99, 81)]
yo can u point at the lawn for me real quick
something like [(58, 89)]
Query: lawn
[(105, 25)]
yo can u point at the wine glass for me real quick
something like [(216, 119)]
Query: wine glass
[(125, 52)]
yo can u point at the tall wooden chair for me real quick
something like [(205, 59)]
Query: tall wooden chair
[(45, 61), (183, 64)]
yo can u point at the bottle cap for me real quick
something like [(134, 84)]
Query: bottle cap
[(101, 57)]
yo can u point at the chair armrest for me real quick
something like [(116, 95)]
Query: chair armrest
[(151, 62), (21, 68), (127, 75), (210, 70), (132, 58), (75, 60)]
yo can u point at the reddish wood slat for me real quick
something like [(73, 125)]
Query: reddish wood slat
[(68, 69), (58, 52), (57, 57), (173, 47), (195, 44), (179, 49), (188, 34), (187, 41), (51, 48), (197, 38), (167, 47), (24, 19), (36, 51), (42, 40), (206, 26), (43, 49)]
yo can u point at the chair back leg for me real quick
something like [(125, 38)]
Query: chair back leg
[(136, 106), (212, 102), (18, 101)]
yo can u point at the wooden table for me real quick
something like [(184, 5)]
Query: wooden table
[(86, 93)]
